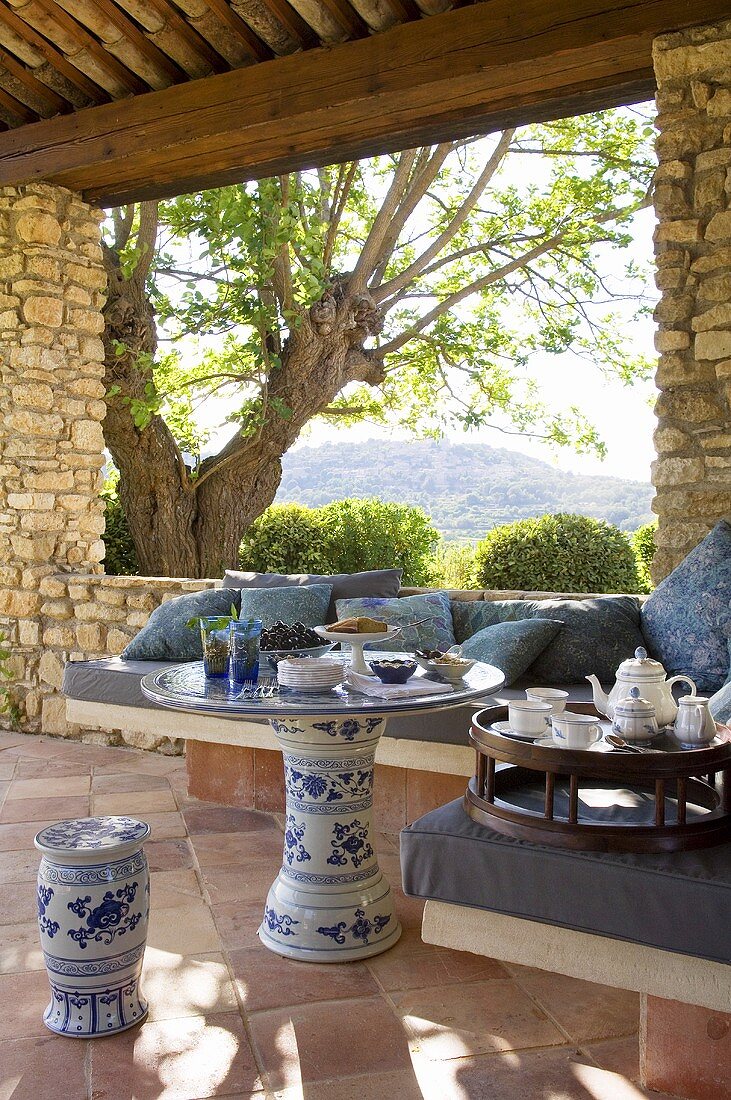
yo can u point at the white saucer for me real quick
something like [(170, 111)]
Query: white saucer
[(506, 731), (549, 743)]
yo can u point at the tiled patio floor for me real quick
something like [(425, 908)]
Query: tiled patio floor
[(230, 1019)]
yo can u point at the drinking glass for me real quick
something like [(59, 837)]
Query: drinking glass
[(214, 639), (243, 651)]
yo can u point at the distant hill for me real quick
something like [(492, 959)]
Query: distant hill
[(467, 488)]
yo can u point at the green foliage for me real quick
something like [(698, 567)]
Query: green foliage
[(453, 566), (643, 544), (346, 536), (557, 553), (120, 557)]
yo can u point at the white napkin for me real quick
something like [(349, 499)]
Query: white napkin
[(371, 685)]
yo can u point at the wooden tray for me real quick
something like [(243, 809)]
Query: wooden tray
[(675, 799)]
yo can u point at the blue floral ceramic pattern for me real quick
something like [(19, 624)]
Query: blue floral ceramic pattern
[(50, 927), (351, 843), (436, 633), (511, 646), (294, 849), (109, 919), (281, 923), (306, 604), (469, 616), (598, 634), (166, 635), (687, 619), (348, 728), (361, 928), (92, 832), (329, 787)]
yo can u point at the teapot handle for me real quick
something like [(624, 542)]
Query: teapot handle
[(682, 680)]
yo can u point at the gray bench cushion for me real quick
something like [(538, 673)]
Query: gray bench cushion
[(116, 681), (678, 901)]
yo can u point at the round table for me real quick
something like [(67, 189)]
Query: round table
[(330, 901)]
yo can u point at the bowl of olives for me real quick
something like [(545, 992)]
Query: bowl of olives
[(393, 671), (295, 640)]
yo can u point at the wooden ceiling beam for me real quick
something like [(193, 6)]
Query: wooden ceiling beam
[(464, 72), (347, 18), (241, 29), (35, 86), (404, 10), (53, 56), (140, 41), (17, 108), (292, 22), (193, 39)]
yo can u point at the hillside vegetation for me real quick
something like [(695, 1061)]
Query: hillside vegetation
[(466, 488)]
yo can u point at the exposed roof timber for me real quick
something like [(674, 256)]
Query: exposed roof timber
[(148, 49), (239, 27), (467, 71), (189, 34), (25, 76)]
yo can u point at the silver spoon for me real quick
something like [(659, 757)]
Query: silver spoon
[(619, 743)]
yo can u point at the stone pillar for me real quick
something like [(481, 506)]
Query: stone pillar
[(51, 408), (692, 474)]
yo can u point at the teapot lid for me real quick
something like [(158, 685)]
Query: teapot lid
[(632, 705), (640, 667)]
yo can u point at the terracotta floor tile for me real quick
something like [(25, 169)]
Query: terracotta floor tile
[(187, 930), (207, 817), (171, 889), (133, 802), (265, 980), (238, 922), (28, 746), (8, 768), (618, 1055), (409, 910), (584, 1010), (226, 849), (13, 838), (37, 769), (185, 1059), (397, 1085), (28, 994), (166, 825), (20, 948), (51, 786), (119, 782), (250, 882), (169, 855), (44, 809), (33, 1068), (319, 1042), (475, 1018), (19, 866), (404, 968), (18, 904), (194, 985), (526, 1075)]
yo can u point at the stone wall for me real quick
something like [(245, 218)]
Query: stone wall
[(51, 407), (692, 474)]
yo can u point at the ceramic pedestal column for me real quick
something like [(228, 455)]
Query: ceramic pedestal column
[(93, 906), (330, 901)]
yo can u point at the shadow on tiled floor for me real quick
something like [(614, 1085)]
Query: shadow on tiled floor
[(229, 1018)]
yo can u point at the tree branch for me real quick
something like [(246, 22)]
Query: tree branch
[(122, 218), (146, 240), (344, 184), (374, 241)]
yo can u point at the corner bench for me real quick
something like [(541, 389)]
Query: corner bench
[(658, 924)]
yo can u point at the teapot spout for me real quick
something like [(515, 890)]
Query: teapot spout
[(601, 699)]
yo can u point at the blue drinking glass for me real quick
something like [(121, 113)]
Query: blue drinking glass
[(214, 640), (243, 651)]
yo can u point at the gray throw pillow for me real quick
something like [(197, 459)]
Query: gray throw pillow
[(598, 634), (687, 619), (512, 646), (435, 633), (166, 637), (307, 605), (375, 582), (469, 616)]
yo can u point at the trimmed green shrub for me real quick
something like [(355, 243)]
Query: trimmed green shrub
[(643, 544), (120, 557), (346, 536), (286, 538), (453, 566), (557, 553)]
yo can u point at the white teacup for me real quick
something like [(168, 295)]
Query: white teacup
[(529, 716), (554, 696), (575, 731)]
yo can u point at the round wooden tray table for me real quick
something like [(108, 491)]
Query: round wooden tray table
[(597, 799)]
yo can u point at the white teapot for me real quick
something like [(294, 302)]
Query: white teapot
[(641, 672)]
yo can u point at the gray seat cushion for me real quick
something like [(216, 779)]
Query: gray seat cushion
[(678, 901), (115, 681)]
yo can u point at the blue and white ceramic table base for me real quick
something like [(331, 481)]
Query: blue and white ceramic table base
[(93, 907), (330, 901)]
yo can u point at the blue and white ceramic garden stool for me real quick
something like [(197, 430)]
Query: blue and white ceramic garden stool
[(93, 908)]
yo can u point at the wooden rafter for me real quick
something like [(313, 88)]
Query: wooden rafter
[(192, 38), (86, 41), (17, 108), (292, 22), (53, 56), (346, 17), (241, 29), (35, 86), (140, 41), (404, 10)]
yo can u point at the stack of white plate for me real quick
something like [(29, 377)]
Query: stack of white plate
[(310, 673)]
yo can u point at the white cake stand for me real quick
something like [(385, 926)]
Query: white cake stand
[(356, 643)]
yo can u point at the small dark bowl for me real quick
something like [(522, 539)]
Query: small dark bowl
[(393, 672)]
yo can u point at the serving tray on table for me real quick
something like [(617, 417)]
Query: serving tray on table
[(597, 799)]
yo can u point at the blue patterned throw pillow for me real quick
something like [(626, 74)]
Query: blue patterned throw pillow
[(512, 646), (307, 604), (687, 619), (598, 634), (166, 635), (469, 616), (436, 633), (720, 703)]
